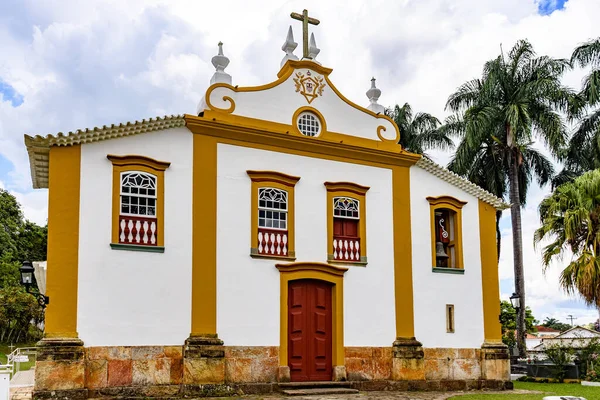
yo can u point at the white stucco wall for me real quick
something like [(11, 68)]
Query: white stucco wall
[(128, 297), (248, 295), (432, 291)]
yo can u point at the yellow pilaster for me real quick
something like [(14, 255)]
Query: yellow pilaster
[(405, 327), (63, 241), (204, 237), (489, 273)]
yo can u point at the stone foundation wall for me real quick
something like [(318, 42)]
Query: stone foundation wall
[(452, 364), (120, 366), (160, 371), (376, 363), (107, 367), (368, 363), (251, 364)]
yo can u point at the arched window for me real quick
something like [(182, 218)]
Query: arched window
[(346, 225), (138, 194), (272, 214), (272, 208), (346, 236), (138, 203), (446, 232), (445, 238)]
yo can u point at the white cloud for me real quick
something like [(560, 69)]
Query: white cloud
[(81, 64)]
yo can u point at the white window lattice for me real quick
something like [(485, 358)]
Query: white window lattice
[(309, 124), (138, 194), (345, 207), (272, 208)]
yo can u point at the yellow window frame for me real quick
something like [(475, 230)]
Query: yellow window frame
[(450, 319), (277, 180), (130, 163), (357, 192), (453, 204)]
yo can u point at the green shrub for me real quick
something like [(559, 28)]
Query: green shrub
[(17, 310), (560, 356), (587, 356), (593, 371)]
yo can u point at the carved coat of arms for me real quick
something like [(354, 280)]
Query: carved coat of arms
[(309, 86)]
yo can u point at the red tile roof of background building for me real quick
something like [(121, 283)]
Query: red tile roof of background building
[(546, 329)]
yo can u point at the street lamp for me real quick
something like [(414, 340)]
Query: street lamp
[(28, 280), (515, 300)]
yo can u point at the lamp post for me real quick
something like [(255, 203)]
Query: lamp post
[(515, 300), (28, 280)]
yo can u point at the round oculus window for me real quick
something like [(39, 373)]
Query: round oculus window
[(309, 124)]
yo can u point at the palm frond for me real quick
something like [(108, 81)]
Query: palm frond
[(587, 54), (570, 220), (465, 96), (540, 165), (591, 88)]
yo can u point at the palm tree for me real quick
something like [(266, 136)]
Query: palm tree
[(419, 132), (570, 218), (549, 322), (515, 99), (487, 164), (583, 153)]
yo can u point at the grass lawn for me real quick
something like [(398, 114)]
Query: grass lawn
[(549, 389), (5, 351)]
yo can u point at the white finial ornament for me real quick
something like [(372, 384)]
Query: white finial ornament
[(289, 46), (313, 50), (220, 62), (373, 94)]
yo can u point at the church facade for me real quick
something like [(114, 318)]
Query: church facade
[(281, 234)]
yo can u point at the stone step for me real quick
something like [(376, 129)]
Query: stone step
[(315, 384), (319, 391)]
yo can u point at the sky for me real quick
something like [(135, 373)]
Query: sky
[(68, 64)]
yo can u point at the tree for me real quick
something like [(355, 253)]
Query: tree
[(548, 322), (19, 240), (553, 323), (11, 221), (17, 310), (561, 326), (487, 164), (515, 99), (508, 321), (583, 152), (9, 272), (570, 220), (32, 242), (420, 132)]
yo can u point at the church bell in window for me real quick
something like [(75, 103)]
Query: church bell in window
[(440, 255)]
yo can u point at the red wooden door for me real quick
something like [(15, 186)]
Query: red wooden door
[(309, 330)]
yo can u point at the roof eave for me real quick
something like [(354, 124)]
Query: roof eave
[(462, 183), (38, 147)]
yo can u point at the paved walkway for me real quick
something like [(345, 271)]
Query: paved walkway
[(389, 395), (24, 393), (23, 378), (21, 393)]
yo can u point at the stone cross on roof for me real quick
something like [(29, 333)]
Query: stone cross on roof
[(305, 21)]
